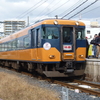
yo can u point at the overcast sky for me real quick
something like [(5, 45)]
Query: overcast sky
[(40, 9)]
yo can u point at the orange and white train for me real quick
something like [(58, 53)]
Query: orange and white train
[(53, 47)]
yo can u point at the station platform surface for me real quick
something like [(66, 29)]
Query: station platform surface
[(93, 59)]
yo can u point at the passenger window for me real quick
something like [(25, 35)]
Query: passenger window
[(26, 42), (14, 43), (39, 37), (9, 46), (1, 47), (43, 33), (33, 38), (18, 44), (6, 46)]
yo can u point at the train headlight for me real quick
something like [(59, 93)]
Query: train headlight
[(77, 23), (55, 22), (52, 56), (81, 56)]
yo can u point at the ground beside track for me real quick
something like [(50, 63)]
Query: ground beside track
[(15, 86)]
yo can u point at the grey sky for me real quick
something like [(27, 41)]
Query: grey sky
[(39, 9)]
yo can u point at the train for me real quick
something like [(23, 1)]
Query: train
[(50, 47)]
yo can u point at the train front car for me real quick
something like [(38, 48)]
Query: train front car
[(63, 48)]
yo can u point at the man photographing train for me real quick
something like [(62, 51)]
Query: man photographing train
[(97, 40)]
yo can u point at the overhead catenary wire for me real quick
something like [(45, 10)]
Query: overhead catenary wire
[(70, 8), (44, 9), (29, 9), (83, 9), (91, 10), (57, 8), (34, 8), (75, 8)]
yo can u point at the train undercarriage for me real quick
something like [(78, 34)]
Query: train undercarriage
[(63, 69)]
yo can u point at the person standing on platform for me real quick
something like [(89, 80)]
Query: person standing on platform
[(95, 46), (97, 40), (87, 45)]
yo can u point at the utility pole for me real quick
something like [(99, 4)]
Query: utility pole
[(80, 17), (28, 21), (56, 16)]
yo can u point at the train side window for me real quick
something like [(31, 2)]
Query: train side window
[(26, 42), (3, 47), (0, 47), (21, 43), (33, 38), (18, 44), (14, 43), (9, 46), (6, 46), (43, 33), (39, 37)]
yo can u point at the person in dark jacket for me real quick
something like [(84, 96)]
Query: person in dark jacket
[(95, 46), (97, 40), (87, 45)]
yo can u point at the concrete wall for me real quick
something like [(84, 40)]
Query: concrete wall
[(92, 70)]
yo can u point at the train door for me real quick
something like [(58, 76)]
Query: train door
[(68, 43), (36, 43)]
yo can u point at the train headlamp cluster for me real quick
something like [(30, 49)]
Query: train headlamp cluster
[(77, 23), (55, 22), (52, 56), (81, 56)]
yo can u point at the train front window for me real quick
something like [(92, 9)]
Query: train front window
[(50, 33), (80, 33), (67, 34)]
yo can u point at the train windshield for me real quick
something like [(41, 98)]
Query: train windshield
[(67, 34), (50, 33), (80, 33)]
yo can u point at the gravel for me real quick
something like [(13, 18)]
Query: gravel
[(72, 95)]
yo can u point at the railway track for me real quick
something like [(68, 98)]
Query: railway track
[(86, 90), (68, 85), (87, 83)]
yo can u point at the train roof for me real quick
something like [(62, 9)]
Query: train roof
[(45, 21), (62, 22)]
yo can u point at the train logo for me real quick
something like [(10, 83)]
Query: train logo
[(47, 46)]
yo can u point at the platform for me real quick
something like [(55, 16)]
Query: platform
[(92, 70)]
